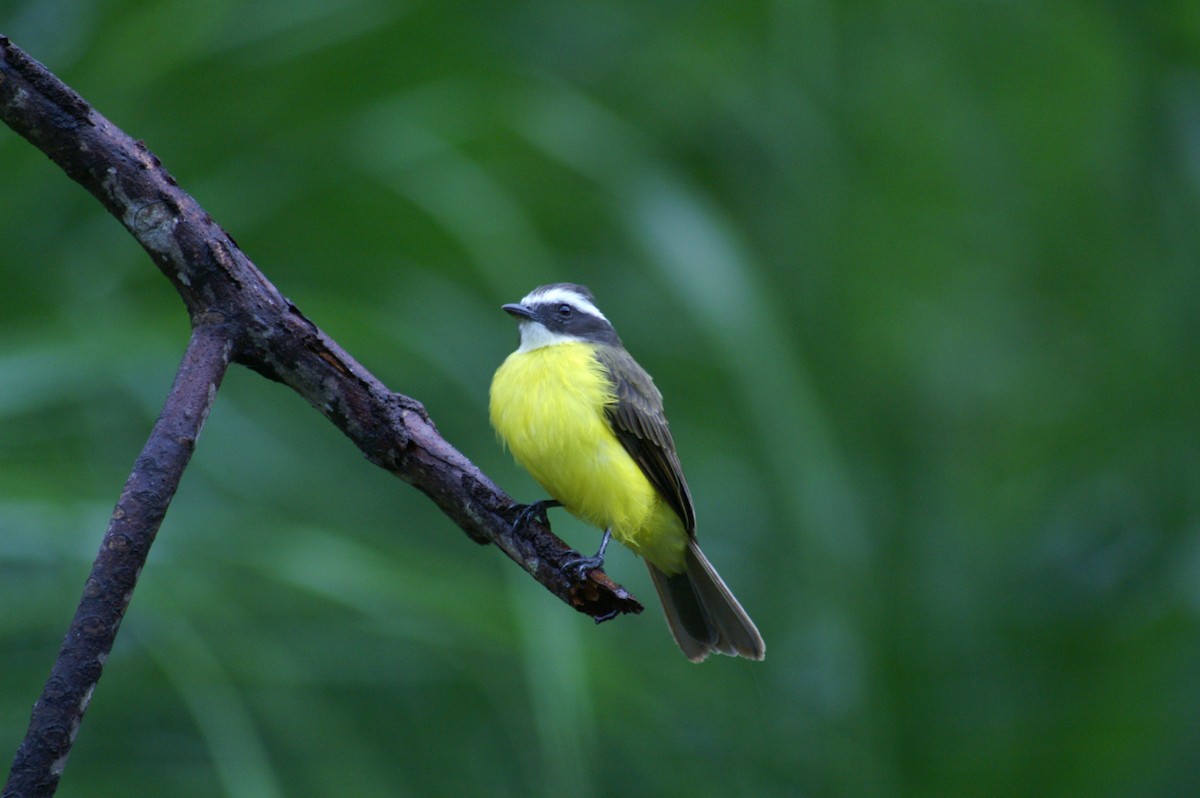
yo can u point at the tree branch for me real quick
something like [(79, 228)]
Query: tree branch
[(57, 714), (270, 334), (260, 329)]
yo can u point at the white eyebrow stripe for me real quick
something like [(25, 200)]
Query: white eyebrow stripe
[(560, 294)]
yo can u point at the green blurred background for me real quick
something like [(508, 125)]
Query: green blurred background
[(918, 280)]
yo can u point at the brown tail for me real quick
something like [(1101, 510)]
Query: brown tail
[(702, 613)]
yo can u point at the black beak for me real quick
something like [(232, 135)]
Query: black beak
[(520, 311)]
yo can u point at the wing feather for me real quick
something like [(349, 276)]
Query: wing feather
[(640, 425)]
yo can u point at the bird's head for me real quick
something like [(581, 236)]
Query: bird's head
[(561, 313)]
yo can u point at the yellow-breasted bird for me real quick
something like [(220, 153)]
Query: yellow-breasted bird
[(586, 421)]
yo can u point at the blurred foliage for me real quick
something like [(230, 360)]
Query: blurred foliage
[(918, 280)]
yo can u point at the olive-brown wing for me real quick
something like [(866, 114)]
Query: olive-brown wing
[(641, 426)]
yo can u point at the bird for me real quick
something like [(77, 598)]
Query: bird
[(586, 421)]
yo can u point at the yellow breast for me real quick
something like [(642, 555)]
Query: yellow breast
[(548, 405)]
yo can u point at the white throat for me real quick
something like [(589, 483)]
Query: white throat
[(534, 335)]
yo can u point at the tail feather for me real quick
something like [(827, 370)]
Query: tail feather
[(702, 614)]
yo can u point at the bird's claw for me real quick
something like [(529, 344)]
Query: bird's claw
[(580, 566), (535, 511)]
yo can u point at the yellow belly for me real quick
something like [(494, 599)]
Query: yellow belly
[(547, 406)]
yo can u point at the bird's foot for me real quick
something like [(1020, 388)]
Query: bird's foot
[(580, 566), (537, 511)]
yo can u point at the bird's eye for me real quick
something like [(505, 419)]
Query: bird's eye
[(565, 311)]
